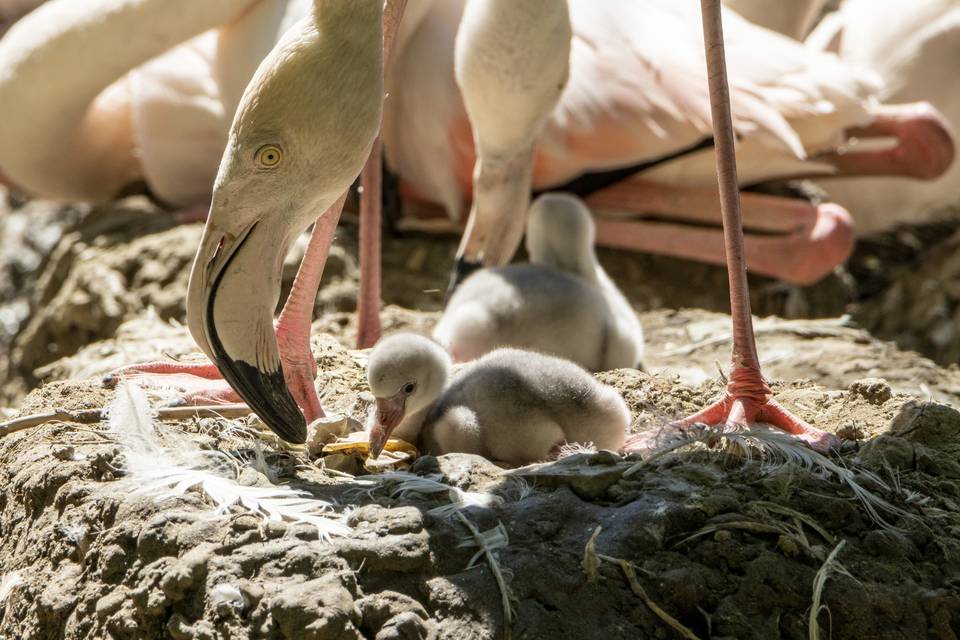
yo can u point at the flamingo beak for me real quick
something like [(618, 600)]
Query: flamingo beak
[(390, 412), (231, 299)]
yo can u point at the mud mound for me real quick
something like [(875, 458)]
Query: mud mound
[(112, 264), (77, 274), (723, 542), (727, 546), (96, 268), (920, 310)]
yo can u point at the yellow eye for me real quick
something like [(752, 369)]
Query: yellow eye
[(269, 156)]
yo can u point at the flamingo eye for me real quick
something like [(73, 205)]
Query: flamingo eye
[(269, 156), (409, 387)]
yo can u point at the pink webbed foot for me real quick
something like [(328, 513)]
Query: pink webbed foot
[(737, 412), (924, 144), (199, 383), (747, 401)]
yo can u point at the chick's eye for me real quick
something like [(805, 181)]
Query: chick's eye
[(269, 156), (409, 387)]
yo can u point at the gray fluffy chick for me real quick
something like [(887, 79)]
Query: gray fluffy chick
[(511, 406), (562, 303)]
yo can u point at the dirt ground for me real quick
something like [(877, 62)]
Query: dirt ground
[(693, 542)]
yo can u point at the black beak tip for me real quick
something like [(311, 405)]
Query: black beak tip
[(264, 391), (293, 429), (267, 394)]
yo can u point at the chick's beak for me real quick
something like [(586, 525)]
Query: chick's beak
[(234, 288), (389, 414)]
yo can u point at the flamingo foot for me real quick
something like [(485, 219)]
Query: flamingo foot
[(201, 383), (924, 149), (299, 368), (822, 237), (746, 401)]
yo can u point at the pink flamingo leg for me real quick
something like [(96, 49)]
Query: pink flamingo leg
[(200, 383), (797, 241), (371, 203), (293, 325), (748, 398), (368, 299)]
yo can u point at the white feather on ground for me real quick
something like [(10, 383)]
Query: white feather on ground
[(228, 595), (8, 583), (776, 449), (403, 484), (169, 472)]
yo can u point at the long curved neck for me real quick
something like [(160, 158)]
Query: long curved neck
[(56, 61), (243, 44)]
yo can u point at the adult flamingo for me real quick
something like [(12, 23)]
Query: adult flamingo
[(635, 96), (96, 96), (303, 128), (914, 47)]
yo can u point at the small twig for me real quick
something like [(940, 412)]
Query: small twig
[(590, 564), (495, 568), (637, 588), (90, 416), (86, 416)]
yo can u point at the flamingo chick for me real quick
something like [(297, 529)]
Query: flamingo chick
[(512, 406), (562, 303)]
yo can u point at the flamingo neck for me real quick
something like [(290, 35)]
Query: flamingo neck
[(90, 47), (55, 66), (346, 13)]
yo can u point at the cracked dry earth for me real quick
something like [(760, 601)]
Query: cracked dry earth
[(705, 543)]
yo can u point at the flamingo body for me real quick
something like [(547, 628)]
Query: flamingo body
[(914, 47), (636, 93)]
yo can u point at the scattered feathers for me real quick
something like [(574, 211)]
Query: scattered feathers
[(8, 583), (402, 484), (172, 471), (776, 449)]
